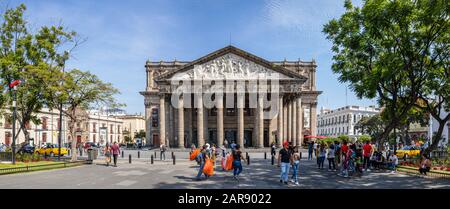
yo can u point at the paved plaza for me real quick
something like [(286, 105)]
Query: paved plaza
[(260, 174)]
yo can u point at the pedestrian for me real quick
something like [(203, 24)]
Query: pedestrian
[(237, 164), (322, 153), (193, 147), (213, 154), (115, 151), (233, 145), (272, 149), (295, 165), (425, 165), (367, 152), (225, 143), (393, 162), (107, 151), (330, 157), (359, 161), (310, 149), (337, 153), (162, 153), (201, 158), (284, 160), (315, 149)]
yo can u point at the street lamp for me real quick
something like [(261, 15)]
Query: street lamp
[(13, 85)]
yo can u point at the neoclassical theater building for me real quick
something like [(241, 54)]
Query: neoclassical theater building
[(230, 95)]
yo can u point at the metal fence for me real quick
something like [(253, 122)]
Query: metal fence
[(5, 156), (22, 169)]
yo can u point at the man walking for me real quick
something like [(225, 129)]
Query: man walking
[(367, 151), (310, 149), (284, 161), (115, 150), (162, 150)]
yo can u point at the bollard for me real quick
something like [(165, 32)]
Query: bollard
[(265, 155), (300, 155), (173, 157), (151, 159), (273, 159), (246, 154), (129, 158), (248, 160), (155, 154), (139, 154), (122, 153)]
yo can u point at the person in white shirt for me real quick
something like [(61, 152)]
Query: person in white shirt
[(393, 162)]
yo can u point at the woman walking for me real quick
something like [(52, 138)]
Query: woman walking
[(330, 157), (237, 164), (322, 154), (107, 151), (295, 165)]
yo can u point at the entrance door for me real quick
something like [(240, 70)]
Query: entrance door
[(266, 138), (212, 137), (156, 140), (248, 138), (231, 136), (194, 138)]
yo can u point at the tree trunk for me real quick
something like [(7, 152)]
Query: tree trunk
[(436, 138), (73, 140)]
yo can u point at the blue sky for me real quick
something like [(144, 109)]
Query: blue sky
[(122, 35)]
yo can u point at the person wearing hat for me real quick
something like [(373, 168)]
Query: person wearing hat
[(284, 161)]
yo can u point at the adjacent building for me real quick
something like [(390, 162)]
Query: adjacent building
[(240, 115), (132, 124), (342, 121), (98, 128)]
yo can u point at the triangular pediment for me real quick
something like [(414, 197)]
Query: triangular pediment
[(230, 63)]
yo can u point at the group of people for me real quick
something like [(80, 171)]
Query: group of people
[(288, 157), (212, 152), (351, 158), (111, 150)]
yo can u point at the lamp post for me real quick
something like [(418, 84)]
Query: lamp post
[(65, 57), (13, 85)]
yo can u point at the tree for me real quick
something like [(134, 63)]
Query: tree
[(390, 50), (80, 91), (36, 59), (140, 134), (373, 126)]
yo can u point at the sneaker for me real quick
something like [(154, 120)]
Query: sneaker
[(334, 170), (392, 171), (296, 183), (368, 170), (286, 182), (292, 180)]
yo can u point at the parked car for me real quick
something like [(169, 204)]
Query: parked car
[(26, 149), (52, 150), (408, 151)]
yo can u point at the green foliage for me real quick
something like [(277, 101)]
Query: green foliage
[(396, 51), (127, 139), (364, 138), (140, 134), (36, 157)]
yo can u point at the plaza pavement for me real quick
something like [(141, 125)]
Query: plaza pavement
[(164, 175)]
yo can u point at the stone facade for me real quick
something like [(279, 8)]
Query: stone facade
[(238, 114)]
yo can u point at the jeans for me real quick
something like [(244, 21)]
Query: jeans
[(331, 161), (391, 166), (115, 159), (366, 163), (310, 156), (284, 171), (163, 153), (320, 161), (200, 170), (424, 170), (237, 167), (295, 170)]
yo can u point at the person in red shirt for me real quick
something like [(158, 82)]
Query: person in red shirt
[(115, 149), (367, 151)]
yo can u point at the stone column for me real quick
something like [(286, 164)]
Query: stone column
[(180, 128), (294, 122), (240, 119), (289, 125), (205, 125), (285, 122), (260, 122), (313, 119), (200, 128), (299, 122), (162, 120), (280, 122), (172, 133), (220, 134), (148, 124), (190, 126)]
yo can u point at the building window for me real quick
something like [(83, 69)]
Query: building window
[(155, 117), (112, 129), (8, 121), (94, 127), (44, 123), (44, 137), (8, 138), (93, 137)]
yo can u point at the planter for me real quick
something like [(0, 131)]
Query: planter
[(26, 161), (448, 169)]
